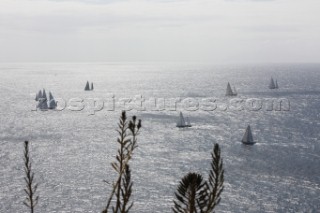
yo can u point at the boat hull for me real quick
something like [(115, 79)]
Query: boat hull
[(248, 143), (184, 126)]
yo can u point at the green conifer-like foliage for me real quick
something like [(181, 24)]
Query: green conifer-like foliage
[(196, 195), (216, 179), (191, 194)]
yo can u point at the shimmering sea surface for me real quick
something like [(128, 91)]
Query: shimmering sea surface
[(72, 150)]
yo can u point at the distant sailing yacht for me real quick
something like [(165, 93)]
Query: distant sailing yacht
[(87, 88), (182, 122), (52, 104), (229, 91), (44, 95), (273, 85), (247, 138), (43, 102)]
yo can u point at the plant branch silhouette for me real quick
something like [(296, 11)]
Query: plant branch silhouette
[(31, 200), (122, 188), (196, 195)]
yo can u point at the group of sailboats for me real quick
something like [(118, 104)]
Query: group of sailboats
[(87, 87), (232, 92), (247, 137), (43, 102)]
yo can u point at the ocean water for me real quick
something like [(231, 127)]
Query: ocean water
[(72, 150)]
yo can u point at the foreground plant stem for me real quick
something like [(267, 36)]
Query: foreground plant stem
[(31, 200), (123, 185)]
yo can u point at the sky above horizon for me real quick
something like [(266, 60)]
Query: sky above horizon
[(216, 31)]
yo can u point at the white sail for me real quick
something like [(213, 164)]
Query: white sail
[(91, 86), (188, 124), (44, 95), (181, 122), (272, 84), (229, 91), (50, 96), (234, 91), (276, 85), (87, 86), (247, 138), (51, 103)]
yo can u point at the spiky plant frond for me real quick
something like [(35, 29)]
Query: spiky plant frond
[(122, 187), (32, 199), (216, 179), (191, 194), (196, 195), (126, 191)]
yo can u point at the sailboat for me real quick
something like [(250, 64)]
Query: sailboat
[(182, 123), (272, 85), (52, 104), (43, 102), (247, 138), (229, 91), (87, 88)]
